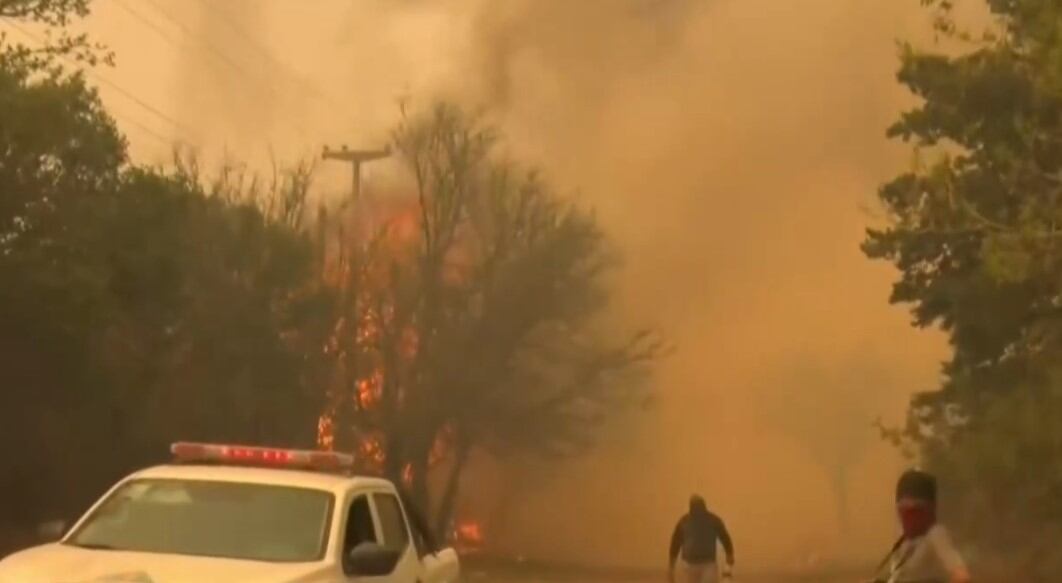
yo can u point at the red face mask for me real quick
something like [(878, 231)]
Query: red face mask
[(916, 519)]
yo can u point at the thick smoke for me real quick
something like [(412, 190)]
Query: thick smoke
[(731, 147)]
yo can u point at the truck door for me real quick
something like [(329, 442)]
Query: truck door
[(360, 527), (394, 530)]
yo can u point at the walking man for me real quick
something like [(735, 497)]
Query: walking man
[(695, 538)]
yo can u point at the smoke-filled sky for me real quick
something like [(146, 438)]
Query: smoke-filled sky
[(731, 147)]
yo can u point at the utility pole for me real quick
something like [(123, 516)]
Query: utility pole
[(356, 158)]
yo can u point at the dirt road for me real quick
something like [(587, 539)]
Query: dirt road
[(476, 572)]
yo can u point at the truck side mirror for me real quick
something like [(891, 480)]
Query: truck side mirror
[(372, 560), (51, 531)]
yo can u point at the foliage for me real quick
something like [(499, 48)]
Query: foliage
[(56, 16), (56, 13), (137, 305), (975, 236), (59, 151)]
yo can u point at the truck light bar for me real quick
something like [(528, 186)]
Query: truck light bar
[(260, 456)]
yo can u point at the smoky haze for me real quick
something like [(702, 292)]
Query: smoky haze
[(731, 148)]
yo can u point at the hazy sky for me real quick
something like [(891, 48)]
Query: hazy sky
[(731, 147)]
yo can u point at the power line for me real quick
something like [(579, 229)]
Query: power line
[(213, 50), (151, 24), (129, 95), (147, 106), (92, 73), (144, 128), (267, 54)]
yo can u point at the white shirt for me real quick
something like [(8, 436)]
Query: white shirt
[(931, 558)]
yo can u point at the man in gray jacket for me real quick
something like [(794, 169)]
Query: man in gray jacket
[(695, 538)]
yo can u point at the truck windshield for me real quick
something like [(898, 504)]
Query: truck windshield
[(217, 519)]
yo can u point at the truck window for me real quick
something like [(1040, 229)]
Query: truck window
[(360, 528), (255, 522), (392, 522)]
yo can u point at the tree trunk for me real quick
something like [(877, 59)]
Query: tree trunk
[(394, 458), (840, 485), (448, 499), (420, 492)]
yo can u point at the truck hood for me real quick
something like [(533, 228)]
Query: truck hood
[(66, 564)]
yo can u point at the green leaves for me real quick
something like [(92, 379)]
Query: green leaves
[(975, 236), (137, 306), (55, 43), (1006, 259)]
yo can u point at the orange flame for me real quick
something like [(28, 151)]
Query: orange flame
[(371, 450), (469, 532), (326, 438), (374, 317)]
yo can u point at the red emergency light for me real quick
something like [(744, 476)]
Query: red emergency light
[(185, 452)]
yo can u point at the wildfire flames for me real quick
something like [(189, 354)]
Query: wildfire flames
[(467, 536), (363, 341), (325, 436), (374, 344), (470, 531)]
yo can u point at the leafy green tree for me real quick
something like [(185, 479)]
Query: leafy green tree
[(208, 294), (59, 153), (975, 236), (137, 305)]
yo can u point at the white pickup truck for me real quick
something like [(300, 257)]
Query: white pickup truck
[(233, 514)]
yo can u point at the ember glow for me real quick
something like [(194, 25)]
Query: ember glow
[(326, 439), (369, 390), (371, 450), (467, 536), (470, 531), (407, 475)]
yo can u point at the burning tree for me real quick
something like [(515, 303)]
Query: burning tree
[(474, 318)]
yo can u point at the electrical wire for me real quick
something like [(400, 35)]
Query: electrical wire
[(93, 74), (212, 49), (266, 54)]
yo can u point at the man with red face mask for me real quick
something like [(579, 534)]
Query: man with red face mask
[(925, 553)]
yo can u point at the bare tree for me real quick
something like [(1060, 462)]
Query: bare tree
[(831, 413), (488, 324)]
